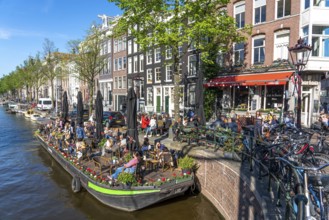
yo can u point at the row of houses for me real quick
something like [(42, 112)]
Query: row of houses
[(260, 77)]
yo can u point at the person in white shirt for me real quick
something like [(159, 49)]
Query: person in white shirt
[(152, 127)]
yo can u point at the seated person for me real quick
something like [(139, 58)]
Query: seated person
[(130, 167), (80, 148), (145, 146), (131, 144), (160, 125), (80, 132)]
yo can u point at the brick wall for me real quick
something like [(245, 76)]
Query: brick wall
[(227, 190)]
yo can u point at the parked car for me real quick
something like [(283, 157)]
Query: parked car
[(113, 119), (73, 114)]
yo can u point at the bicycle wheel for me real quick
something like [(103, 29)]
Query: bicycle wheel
[(316, 161)]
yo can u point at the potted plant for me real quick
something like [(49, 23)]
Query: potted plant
[(187, 164), (127, 179)]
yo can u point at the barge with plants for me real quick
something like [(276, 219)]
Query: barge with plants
[(157, 185)]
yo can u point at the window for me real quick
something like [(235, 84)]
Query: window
[(239, 54), (281, 42), (129, 47), (260, 11), (157, 73), (124, 43), (168, 53), (115, 64), (305, 34), (321, 3), (135, 46), (259, 50), (120, 63), (149, 76), (320, 41), (130, 65), (191, 94), (283, 8), (124, 82), (192, 45), (115, 46), (180, 51), (149, 55), (109, 65), (157, 53), (169, 73), (141, 63), (306, 4), (192, 65), (150, 96), (239, 10), (119, 82), (124, 62), (115, 82), (120, 45), (135, 64)]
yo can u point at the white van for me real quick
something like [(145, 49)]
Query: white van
[(44, 104)]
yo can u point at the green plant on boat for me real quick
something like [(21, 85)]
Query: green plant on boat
[(187, 163), (126, 178)]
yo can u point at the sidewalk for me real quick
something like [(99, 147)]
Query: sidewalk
[(258, 186)]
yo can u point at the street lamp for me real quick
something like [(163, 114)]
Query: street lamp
[(299, 55)]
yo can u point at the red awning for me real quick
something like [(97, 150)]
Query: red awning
[(273, 78)]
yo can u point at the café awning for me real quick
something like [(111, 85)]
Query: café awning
[(255, 79)]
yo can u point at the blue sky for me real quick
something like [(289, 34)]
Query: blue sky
[(25, 24)]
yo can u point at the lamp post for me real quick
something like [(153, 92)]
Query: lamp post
[(299, 55)]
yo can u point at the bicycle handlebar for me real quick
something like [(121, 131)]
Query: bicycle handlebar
[(302, 168)]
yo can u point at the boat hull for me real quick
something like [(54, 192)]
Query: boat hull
[(132, 199)]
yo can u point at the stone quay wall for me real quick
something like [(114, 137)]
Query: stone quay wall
[(230, 191)]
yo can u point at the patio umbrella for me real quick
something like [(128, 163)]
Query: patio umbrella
[(132, 115), (65, 107), (79, 109), (199, 99), (99, 115)]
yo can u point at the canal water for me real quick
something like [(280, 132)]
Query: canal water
[(34, 186)]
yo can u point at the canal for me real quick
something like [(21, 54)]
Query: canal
[(34, 186)]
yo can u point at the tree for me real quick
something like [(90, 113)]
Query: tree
[(88, 60), (179, 23), (50, 62)]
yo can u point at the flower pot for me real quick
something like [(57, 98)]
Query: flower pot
[(186, 171)]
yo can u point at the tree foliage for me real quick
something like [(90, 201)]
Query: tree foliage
[(200, 24), (88, 60)]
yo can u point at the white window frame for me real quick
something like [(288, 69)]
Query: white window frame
[(149, 76), (238, 51), (283, 9), (168, 52), (149, 91), (169, 73), (141, 62), (320, 43), (253, 48), (124, 82), (124, 61), (135, 46), (192, 70), (130, 65), (157, 75), (115, 46), (115, 64), (259, 4), (120, 66), (119, 82), (129, 47), (149, 57), (281, 42), (157, 55), (240, 10), (135, 64)]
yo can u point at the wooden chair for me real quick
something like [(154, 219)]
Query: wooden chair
[(166, 160), (103, 164)]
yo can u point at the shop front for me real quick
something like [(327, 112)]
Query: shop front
[(252, 91)]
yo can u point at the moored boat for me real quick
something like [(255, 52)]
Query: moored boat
[(163, 186)]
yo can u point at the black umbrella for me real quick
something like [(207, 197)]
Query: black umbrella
[(65, 107), (132, 116), (79, 109), (99, 115), (199, 99)]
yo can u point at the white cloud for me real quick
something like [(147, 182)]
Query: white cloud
[(5, 34)]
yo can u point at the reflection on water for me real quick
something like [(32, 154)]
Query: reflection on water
[(34, 186)]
